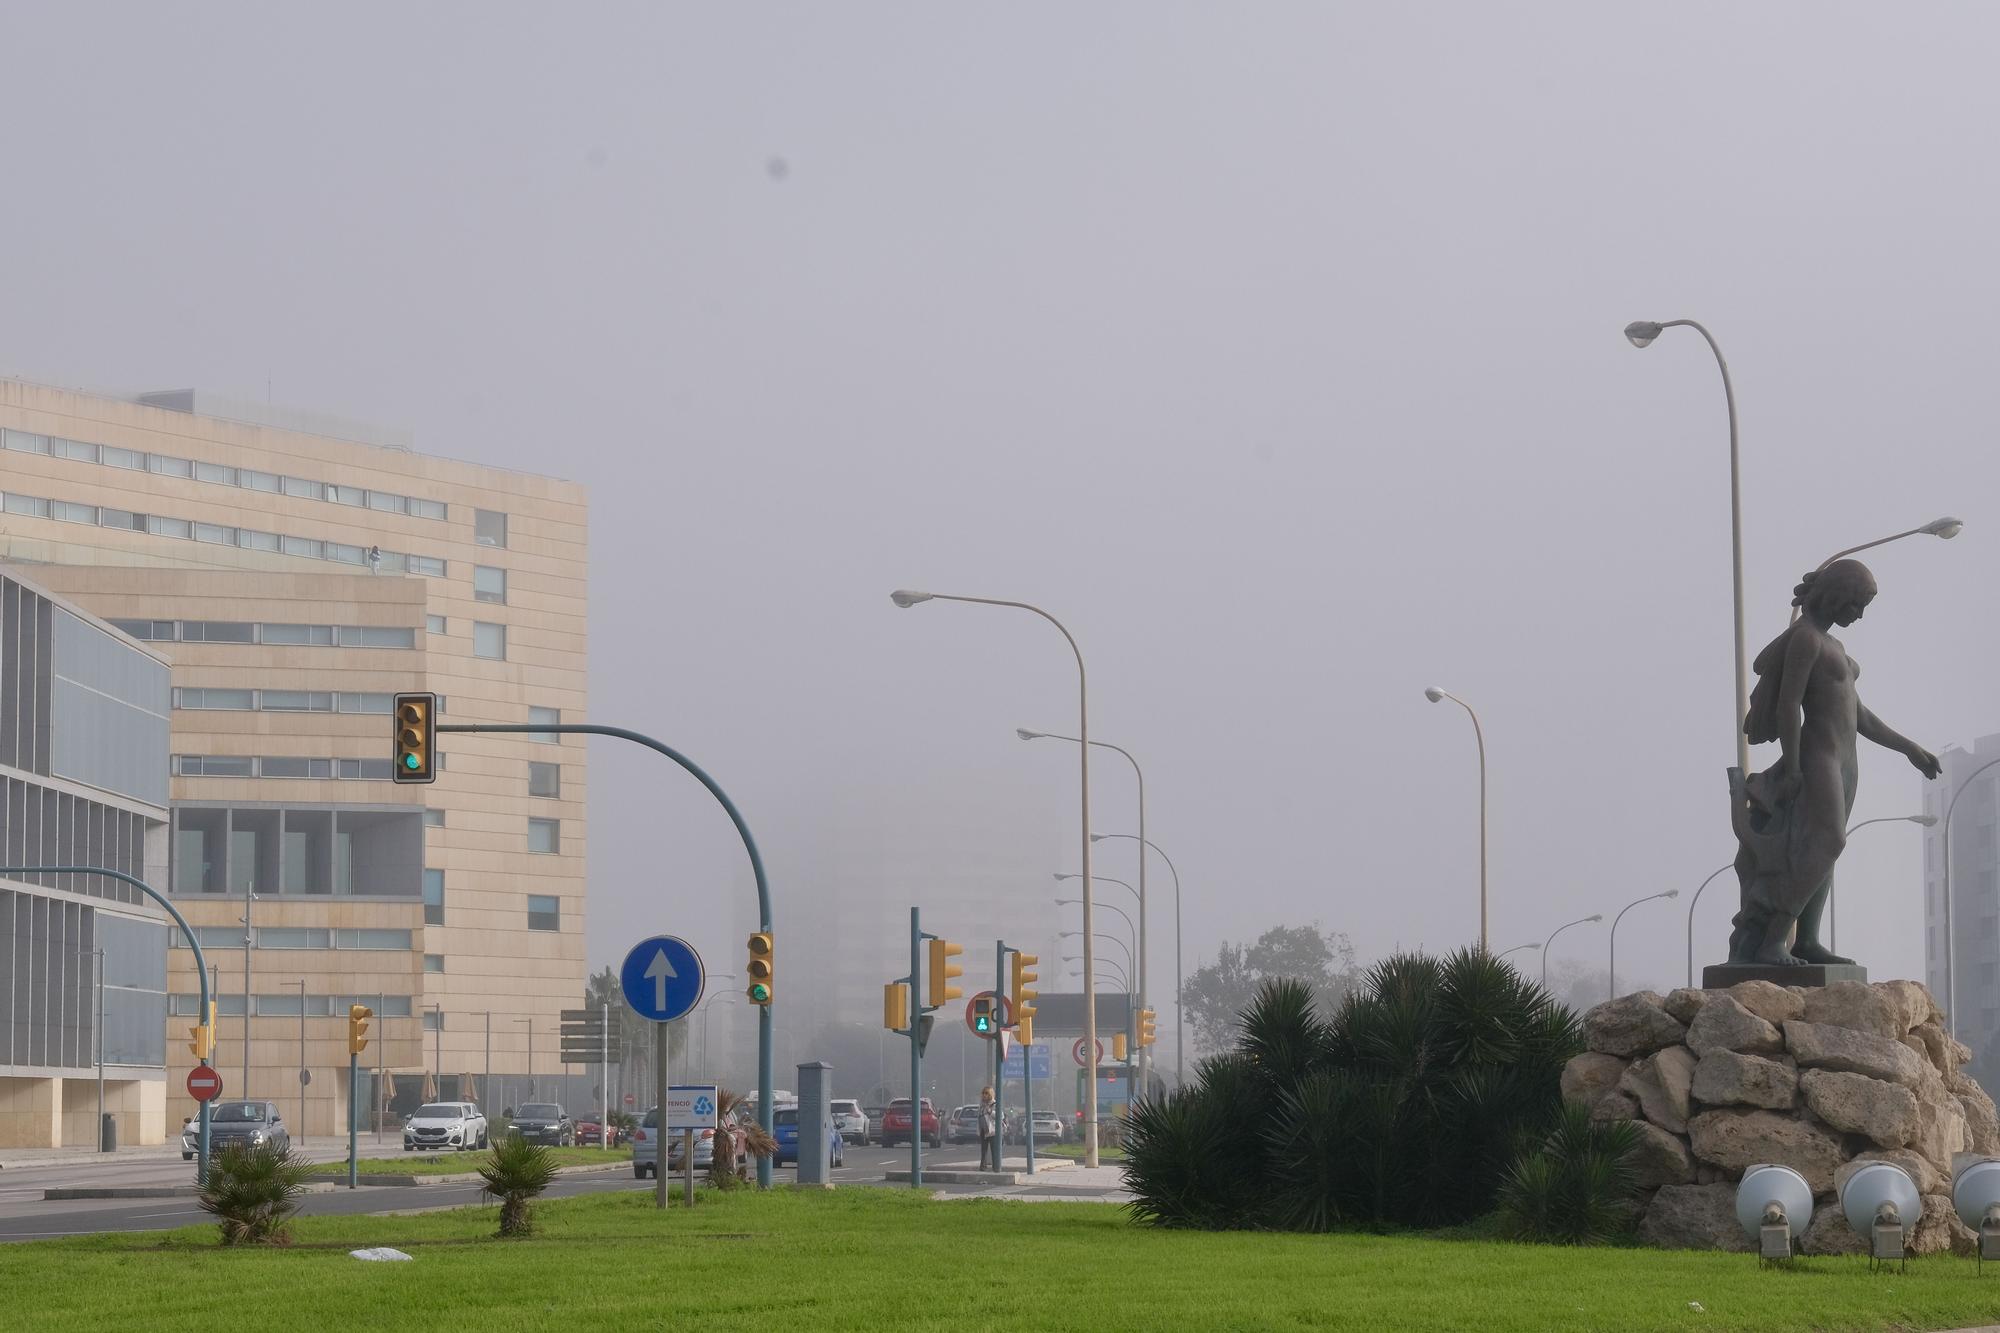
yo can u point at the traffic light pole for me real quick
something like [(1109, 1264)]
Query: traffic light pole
[(916, 1051), (200, 967), (353, 1110), (1000, 1051), (765, 1108)]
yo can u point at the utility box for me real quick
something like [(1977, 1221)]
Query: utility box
[(107, 1133), (815, 1122)]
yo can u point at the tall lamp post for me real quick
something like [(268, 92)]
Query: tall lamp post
[(1145, 1058), (1950, 944), (1641, 333), (1124, 915), (1180, 1063), (907, 598), (1516, 949), (1552, 939), (1131, 968), (1946, 527), (1436, 695), (1670, 893)]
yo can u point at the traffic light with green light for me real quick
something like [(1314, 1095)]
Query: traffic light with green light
[(983, 1022), (759, 968), (415, 751)]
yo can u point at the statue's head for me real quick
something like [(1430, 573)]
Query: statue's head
[(1838, 594)]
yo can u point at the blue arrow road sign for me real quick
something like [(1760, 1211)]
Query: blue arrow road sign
[(662, 978)]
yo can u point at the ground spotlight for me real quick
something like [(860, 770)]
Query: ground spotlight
[(1975, 1193), (1882, 1205), (1773, 1206)]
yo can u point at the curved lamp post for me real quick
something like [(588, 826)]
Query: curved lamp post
[(1130, 929), (1145, 1055), (1516, 949), (1180, 1058), (1670, 893), (1693, 903), (1437, 695), (1130, 967), (1950, 944), (1599, 916), (1946, 527), (1108, 965), (1925, 821), (906, 598), (1641, 334)]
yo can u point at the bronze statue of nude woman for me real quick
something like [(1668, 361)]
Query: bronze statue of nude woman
[(1791, 819)]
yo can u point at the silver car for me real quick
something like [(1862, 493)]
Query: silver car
[(646, 1147), (248, 1124)]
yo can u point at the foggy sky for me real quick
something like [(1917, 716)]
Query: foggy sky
[(1276, 348)]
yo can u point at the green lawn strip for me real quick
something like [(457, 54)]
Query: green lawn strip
[(450, 1163), (1074, 1152), (883, 1259)]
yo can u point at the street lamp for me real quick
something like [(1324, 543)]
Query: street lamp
[(1946, 527), (1516, 949), (907, 598), (1670, 893), (1693, 903), (1180, 1066), (1950, 944), (1436, 695), (1108, 965), (1130, 966), (1552, 939), (1925, 821), (1641, 333), (1145, 1057), (1109, 907)]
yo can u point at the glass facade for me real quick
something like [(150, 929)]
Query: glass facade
[(309, 850)]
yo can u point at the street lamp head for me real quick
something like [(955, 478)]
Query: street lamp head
[(904, 598), (1928, 821), (1027, 735), (1598, 917), (1673, 893), (1061, 875), (1640, 332), (1943, 527), (1434, 694)]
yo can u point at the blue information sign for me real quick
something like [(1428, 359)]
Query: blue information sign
[(1038, 1061), (662, 978)]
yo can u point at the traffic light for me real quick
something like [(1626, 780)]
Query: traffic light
[(415, 718), (1025, 977), (759, 968), (202, 1041), (357, 1028), (1118, 1046), (943, 970), (982, 1015), (1024, 1030), (1146, 1035), (896, 1006)]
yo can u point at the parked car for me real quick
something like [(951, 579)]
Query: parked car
[(875, 1114), (1049, 1126), (251, 1124), (785, 1129), (850, 1120), (434, 1126), (896, 1124), (592, 1134), (545, 1122), (646, 1147), (962, 1125)]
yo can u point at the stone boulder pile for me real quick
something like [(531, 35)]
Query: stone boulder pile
[(1819, 1079)]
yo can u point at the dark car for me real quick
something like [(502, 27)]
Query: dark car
[(545, 1122), (785, 1129), (248, 1124), (896, 1124)]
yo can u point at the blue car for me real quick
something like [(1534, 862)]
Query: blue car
[(785, 1128)]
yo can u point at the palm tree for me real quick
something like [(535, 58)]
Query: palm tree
[(517, 1172), (738, 1138), (254, 1192)]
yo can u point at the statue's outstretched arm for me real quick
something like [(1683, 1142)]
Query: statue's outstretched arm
[(1873, 728)]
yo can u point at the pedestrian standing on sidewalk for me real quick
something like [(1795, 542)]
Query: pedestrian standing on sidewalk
[(989, 1132)]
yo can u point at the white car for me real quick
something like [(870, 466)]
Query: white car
[(438, 1126), (850, 1120)]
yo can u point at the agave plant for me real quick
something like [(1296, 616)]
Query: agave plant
[(738, 1139), (1406, 1108), (253, 1193), (1578, 1187), (516, 1173)]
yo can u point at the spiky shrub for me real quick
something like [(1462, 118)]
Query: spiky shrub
[(1578, 1187), (253, 1193), (516, 1172), (739, 1139), (1405, 1108)]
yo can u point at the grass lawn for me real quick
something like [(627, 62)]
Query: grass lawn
[(455, 1163), (869, 1259), (1074, 1152)]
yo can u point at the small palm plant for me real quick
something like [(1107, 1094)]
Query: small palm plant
[(1578, 1187), (253, 1193), (516, 1174), (736, 1143)]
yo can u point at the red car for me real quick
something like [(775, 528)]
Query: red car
[(896, 1124), (590, 1133)]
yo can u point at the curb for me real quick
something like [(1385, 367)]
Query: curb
[(338, 1179)]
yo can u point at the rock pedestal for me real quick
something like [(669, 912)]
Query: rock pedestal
[(1818, 1079)]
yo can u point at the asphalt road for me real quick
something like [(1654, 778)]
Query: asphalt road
[(26, 1215)]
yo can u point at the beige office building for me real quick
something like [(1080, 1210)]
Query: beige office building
[(296, 572)]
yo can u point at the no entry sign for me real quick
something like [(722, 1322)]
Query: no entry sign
[(204, 1083)]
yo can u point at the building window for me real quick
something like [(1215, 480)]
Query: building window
[(66, 512), (489, 527), (132, 460), (433, 962), (370, 770), (387, 503), (489, 584), (434, 624), (251, 540), (233, 701), (214, 534), (545, 835), (489, 640), (548, 717), (368, 702), (215, 472), (371, 939), (303, 489), (544, 779), (215, 765), (217, 631), (346, 495), (291, 937), (434, 897), (163, 466), (168, 527), (426, 508), (433, 1020), (377, 636), (544, 912), (251, 480), (305, 547), (22, 442), (295, 701), (427, 565), (316, 635), (433, 819)]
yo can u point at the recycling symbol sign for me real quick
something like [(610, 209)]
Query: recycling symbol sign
[(703, 1106)]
